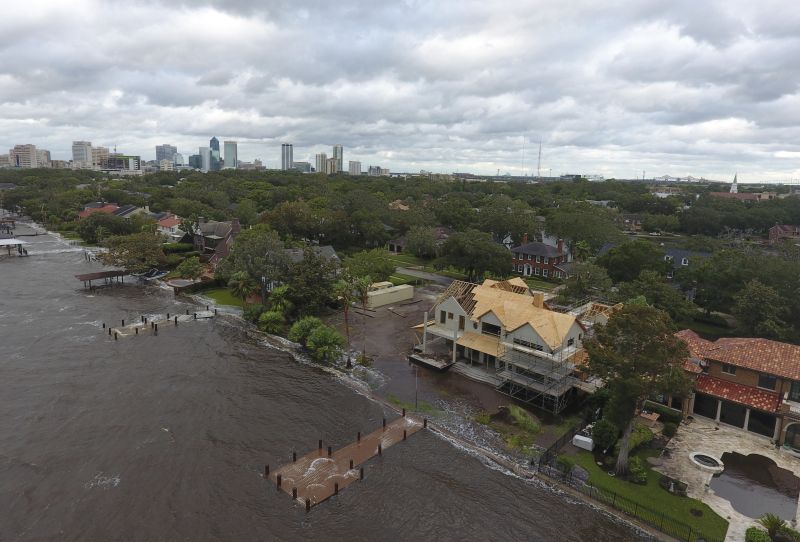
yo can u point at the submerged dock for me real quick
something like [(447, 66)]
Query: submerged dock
[(321, 474), (145, 324)]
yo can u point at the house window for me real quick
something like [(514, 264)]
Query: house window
[(520, 268), (536, 271), (544, 272), (530, 257), (794, 392), (461, 322), (538, 259), (685, 261), (490, 329), (449, 315), (728, 369), (667, 258), (528, 344), (442, 317), (570, 342), (767, 381), (546, 259), (516, 255), (670, 274)]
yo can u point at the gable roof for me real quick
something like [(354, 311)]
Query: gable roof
[(514, 305), (326, 251), (536, 248)]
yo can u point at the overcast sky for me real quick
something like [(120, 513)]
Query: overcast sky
[(698, 87)]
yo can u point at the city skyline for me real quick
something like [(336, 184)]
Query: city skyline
[(614, 90)]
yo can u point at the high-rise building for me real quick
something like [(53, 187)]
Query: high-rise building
[(287, 156), (82, 154), (354, 168), (231, 155), (216, 160), (338, 154), (330, 166), (23, 156), (205, 158), (195, 161), (99, 156), (42, 158), (119, 161), (5, 161), (178, 159), (302, 167), (321, 160), (166, 165), (213, 144), (166, 152)]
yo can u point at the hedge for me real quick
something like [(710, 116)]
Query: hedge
[(667, 414), (754, 534)]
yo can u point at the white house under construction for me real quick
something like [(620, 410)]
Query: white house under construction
[(506, 328)]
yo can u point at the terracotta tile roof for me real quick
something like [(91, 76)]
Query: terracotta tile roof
[(763, 355), (169, 222), (108, 208), (738, 393)]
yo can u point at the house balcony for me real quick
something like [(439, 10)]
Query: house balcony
[(789, 407), (558, 357)]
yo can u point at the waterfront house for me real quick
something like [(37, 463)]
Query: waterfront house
[(505, 328), (215, 238), (749, 383), (98, 207), (536, 259)]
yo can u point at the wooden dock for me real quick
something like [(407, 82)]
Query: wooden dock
[(430, 362), (151, 325), (321, 474)]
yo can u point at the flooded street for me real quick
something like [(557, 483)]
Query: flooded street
[(165, 437)]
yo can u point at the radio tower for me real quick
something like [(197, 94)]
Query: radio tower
[(539, 163)]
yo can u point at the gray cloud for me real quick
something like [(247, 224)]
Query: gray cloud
[(615, 87)]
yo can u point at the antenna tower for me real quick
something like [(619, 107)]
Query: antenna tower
[(539, 163)]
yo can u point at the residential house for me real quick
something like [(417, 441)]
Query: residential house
[(169, 225), (98, 207), (536, 259), (215, 238), (631, 222), (781, 232), (745, 196), (683, 259), (327, 252), (505, 328), (399, 244), (752, 384)]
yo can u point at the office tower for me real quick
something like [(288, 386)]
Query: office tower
[(213, 144), (287, 156), (205, 158), (23, 156), (82, 154), (216, 160), (354, 168), (166, 152), (330, 166), (42, 158), (231, 154), (338, 154), (321, 160), (195, 161), (99, 156), (166, 165), (119, 161), (302, 167), (178, 159)]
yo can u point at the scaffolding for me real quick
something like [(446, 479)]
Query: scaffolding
[(537, 378)]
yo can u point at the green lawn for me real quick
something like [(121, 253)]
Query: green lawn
[(223, 296), (398, 279), (710, 331), (652, 496), (537, 284), (406, 259)]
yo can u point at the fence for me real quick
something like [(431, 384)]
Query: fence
[(550, 454), (655, 519)]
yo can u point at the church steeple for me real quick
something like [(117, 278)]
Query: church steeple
[(734, 186)]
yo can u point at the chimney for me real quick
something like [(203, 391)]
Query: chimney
[(560, 246), (525, 239), (538, 299)]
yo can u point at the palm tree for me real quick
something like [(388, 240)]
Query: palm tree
[(581, 251), (242, 285), (279, 300), (343, 289), (772, 523), (361, 285)]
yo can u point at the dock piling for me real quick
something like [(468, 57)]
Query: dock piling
[(308, 504), (137, 330), (176, 320), (187, 312), (320, 445), (380, 449), (266, 471), (351, 464), (109, 331), (294, 492), (279, 481), (404, 413), (294, 456), (104, 325), (404, 434), (330, 451), (361, 474), (384, 424), (156, 329), (336, 488), (358, 438), (425, 423), (123, 323), (115, 335)]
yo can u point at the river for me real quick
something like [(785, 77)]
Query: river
[(165, 437)]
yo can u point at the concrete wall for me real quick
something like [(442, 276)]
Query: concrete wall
[(387, 296)]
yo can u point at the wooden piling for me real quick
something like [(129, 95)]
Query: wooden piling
[(104, 325), (330, 451), (320, 444), (361, 474), (351, 464), (308, 505), (358, 438), (278, 480), (404, 434), (137, 330), (384, 424), (266, 471), (425, 423), (404, 413), (294, 492), (123, 323), (294, 457), (176, 320), (336, 488), (115, 335), (380, 449)]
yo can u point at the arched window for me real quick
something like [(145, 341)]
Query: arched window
[(793, 436)]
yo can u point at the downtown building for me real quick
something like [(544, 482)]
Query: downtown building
[(231, 154), (28, 156), (354, 168), (338, 155), (82, 155), (287, 156), (321, 161), (166, 152)]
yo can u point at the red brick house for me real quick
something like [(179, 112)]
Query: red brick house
[(779, 232), (537, 259), (752, 384)]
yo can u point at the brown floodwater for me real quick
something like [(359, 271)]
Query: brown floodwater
[(165, 437)]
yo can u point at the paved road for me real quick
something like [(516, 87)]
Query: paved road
[(438, 279)]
